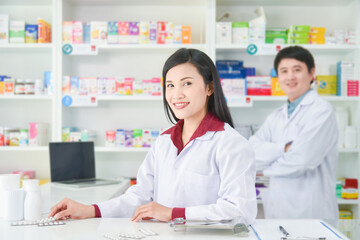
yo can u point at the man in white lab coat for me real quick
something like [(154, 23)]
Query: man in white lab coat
[(297, 145)]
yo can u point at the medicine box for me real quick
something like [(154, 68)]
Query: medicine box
[(258, 85), (185, 34), (223, 32), (257, 33), (298, 35), (161, 32), (4, 28), (152, 32), (169, 32), (298, 40), (177, 34), (318, 30), (113, 28), (326, 85), (38, 134), (17, 32), (317, 41), (299, 28), (123, 32), (133, 32), (44, 31), (144, 32), (276, 40), (240, 32), (275, 87), (77, 32), (86, 32), (31, 33), (353, 88), (98, 31), (67, 32)]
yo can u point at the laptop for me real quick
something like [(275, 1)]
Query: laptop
[(73, 164)]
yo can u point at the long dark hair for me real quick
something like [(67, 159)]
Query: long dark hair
[(206, 68)]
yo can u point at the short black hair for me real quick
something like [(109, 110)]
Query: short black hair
[(206, 68), (299, 53)]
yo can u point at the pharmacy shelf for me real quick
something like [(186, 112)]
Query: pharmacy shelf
[(283, 3), (129, 98), (26, 46), (147, 47), (348, 150), (30, 2), (133, 3), (348, 201), (284, 98), (323, 48), (121, 150), (24, 149), (340, 201), (26, 97)]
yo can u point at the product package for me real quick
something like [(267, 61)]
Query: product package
[(4, 28), (17, 32)]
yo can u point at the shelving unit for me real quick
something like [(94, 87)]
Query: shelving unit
[(145, 61), (28, 61)]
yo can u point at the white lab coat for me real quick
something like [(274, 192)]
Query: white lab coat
[(213, 177), (302, 180)]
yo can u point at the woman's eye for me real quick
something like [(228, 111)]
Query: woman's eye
[(170, 85), (187, 83)]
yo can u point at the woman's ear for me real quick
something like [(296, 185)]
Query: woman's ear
[(210, 89)]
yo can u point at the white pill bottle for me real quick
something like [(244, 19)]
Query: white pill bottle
[(32, 203)]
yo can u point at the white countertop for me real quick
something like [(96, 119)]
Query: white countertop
[(97, 227)]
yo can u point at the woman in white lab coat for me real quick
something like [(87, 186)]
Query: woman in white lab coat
[(297, 145), (199, 169)]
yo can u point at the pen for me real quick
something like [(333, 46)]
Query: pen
[(282, 229)]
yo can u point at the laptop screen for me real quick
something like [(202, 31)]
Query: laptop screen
[(72, 161)]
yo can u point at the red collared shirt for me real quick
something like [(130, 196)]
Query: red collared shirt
[(210, 123)]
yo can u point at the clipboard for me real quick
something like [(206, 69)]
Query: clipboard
[(238, 228)]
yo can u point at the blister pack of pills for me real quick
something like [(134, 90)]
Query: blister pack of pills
[(126, 236), (123, 236), (44, 222)]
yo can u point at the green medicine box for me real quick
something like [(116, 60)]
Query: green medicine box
[(299, 28), (240, 25), (276, 40), (298, 35), (298, 40)]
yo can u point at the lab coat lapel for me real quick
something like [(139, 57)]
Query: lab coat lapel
[(204, 137), (308, 99)]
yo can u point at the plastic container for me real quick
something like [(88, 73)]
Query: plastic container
[(350, 137), (29, 87), (39, 87), (32, 203), (13, 204), (9, 86), (20, 87), (24, 137)]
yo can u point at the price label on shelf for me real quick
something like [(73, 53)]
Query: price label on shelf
[(80, 49), (244, 101), (79, 101), (263, 49)]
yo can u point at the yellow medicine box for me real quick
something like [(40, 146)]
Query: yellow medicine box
[(318, 30), (326, 85), (275, 87)]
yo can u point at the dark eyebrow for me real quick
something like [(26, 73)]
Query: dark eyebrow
[(180, 79), (291, 67)]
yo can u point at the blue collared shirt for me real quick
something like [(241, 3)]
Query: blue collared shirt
[(292, 105)]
